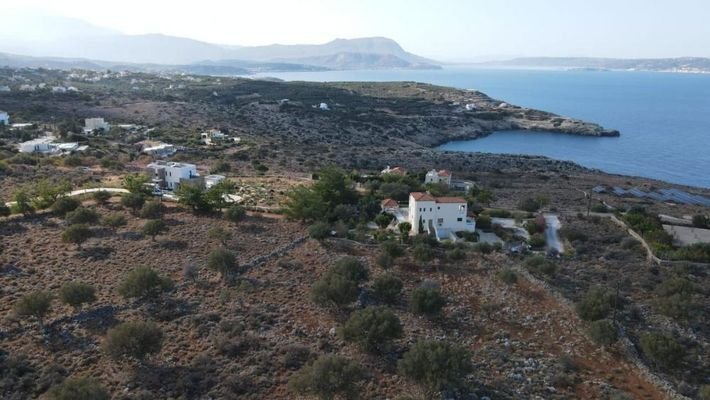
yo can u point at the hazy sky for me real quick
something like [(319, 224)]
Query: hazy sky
[(445, 29)]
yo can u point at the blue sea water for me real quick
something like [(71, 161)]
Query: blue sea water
[(664, 118)]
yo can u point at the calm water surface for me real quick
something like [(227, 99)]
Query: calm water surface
[(664, 119)]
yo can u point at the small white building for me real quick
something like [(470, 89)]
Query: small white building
[(59, 89), (211, 180), (470, 107), (160, 150), (441, 216), (324, 106), (4, 118), (212, 135), (434, 177), (41, 145), (95, 124), (395, 171), (169, 175)]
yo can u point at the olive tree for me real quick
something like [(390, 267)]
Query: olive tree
[(436, 365), (134, 340), (36, 304), (372, 328), (327, 377), (76, 294)]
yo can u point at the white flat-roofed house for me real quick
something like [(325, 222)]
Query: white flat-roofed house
[(95, 124), (211, 180), (41, 145), (324, 106), (4, 118), (169, 175), (441, 216), (434, 176), (160, 150)]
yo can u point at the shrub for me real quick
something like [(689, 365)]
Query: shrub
[(508, 276), (76, 234), (701, 221), (675, 297), (144, 282), (82, 215), (5, 211), (79, 389), (423, 253), (537, 241), (219, 234), (296, 356), (235, 213), (36, 304), (134, 201), (222, 261), (372, 328), (334, 289), (436, 365), (154, 227), (327, 377), (385, 261), (23, 203), (101, 197), (387, 288), (383, 220), (319, 230), (63, 205), (603, 332), (426, 301), (77, 293), (404, 228), (483, 222), (529, 204), (392, 248), (483, 248), (596, 304), (662, 350), (351, 268), (134, 340), (114, 221), (540, 265), (455, 255), (152, 210)]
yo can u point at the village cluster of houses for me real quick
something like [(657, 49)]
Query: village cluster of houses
[(214, 136), (438, 216), (48, 145)]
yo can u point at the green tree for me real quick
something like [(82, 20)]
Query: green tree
[(383, 220), (76, 294), (328, 377), (404, 229), (114, 221), (81, 215), (436, 365), (154, 227), (101, 197), (392, 248), (351, 268), (64, 205), (152, 210), (603, 332), (372, 328), (76, 234), (664, 351), (79, 389), (23, 203), (224, 262), (384, 260), (388, 288), (134, 201), (134, 340), (335, 187), (334, 289), (304, 204), (426, 300), (46, 192), (235, 213), (319, 230), (144, 282), (217, 195), (191, 195), (36, 304), (137, 184), (596, 304)]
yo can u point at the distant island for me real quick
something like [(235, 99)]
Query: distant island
[(698, 65)]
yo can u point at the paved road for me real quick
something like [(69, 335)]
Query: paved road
[(85, 191), (552, 232)]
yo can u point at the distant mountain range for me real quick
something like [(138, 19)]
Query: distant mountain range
[(62, 42), (683, 64)]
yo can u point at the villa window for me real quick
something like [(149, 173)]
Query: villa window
[(462, 209), (440, 221), (459, 219)]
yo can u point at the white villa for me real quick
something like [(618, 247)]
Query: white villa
[(441, 216), (160, 150), (169, 175), (4, 118), (435, 177), (215, 135), (41, 145), (95, 124)]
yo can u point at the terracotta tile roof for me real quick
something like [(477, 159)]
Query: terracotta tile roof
[(386, 203), (450, 200), (422, 196), (444, 172)]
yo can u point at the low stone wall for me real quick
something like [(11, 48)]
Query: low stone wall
[(279, 252)]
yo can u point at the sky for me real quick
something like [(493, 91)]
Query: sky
[(443, 29)]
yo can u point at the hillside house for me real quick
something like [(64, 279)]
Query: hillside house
[(389, 206), (41, 145), (324, 106), (440, 216), (95, 124), (4, 118), (211, 180), (170, 175), (160, 150), (395, 171), (435, 177)]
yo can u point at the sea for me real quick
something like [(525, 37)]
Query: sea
[(664, 118)]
